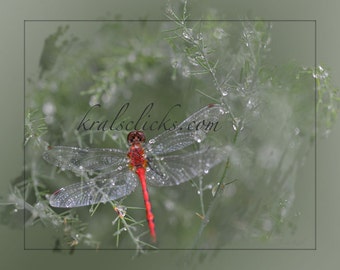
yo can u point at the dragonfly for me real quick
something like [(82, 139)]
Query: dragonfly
[(165, 160)]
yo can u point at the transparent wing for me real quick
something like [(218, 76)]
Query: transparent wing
[(103, 188), (176, 169), (79, 160), (191, 130)]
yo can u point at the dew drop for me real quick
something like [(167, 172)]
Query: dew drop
[(224, 92), (186, 71), (187, 33), (320, 73), (297, 131), (93, 100), (192, 61), (197, 137), (49, 108), (250, 104), (175, 63), (214, 189), (236, 124), (219, 33)]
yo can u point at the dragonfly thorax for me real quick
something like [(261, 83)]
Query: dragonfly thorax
[(136, 156)]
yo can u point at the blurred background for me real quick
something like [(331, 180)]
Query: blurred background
[(293, 41)]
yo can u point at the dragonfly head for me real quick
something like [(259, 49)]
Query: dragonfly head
[(136, 137)]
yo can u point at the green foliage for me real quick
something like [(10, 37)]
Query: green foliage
[(268, 133)]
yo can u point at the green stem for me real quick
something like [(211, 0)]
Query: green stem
[(218, 192), (201, 196)]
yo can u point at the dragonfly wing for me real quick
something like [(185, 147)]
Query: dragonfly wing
[(192, 130), (79, 160), (103, 188), (176, 169)]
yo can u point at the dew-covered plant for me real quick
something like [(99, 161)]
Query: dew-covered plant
[(268, 132)]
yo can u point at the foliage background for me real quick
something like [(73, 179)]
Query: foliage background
[(268, 131), (327, 244)]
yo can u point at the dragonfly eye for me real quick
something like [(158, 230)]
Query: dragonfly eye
[(136, 137)]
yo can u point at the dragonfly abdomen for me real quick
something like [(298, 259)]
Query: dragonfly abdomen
[(149, 215)]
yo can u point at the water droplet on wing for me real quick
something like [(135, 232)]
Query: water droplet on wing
[(152, 141)]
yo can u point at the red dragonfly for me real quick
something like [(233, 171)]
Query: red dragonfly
[(162, 161)]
